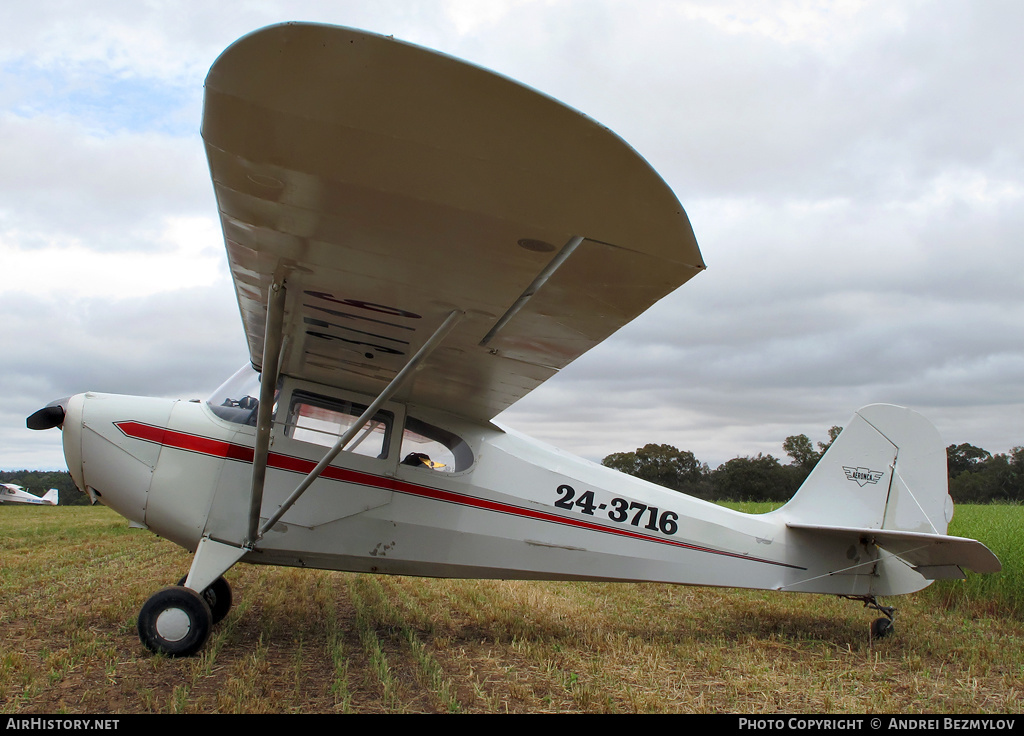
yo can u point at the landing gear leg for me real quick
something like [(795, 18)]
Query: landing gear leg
[(880, 627), (217, 596)]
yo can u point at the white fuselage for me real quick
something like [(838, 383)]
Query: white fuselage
[(10, 493), (509, 508)]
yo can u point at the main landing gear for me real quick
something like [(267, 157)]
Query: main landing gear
[(177, 621), (880, 627)]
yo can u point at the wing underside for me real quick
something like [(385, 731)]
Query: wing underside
[(388, 185)]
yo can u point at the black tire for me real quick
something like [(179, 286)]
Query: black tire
[(217, 597), (175, 621), (881, 628)]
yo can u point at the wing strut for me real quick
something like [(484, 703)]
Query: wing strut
[(272, 342), (215, 557), (561, 257), (366, 416)]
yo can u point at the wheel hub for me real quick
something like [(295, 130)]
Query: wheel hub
[(173, 624)]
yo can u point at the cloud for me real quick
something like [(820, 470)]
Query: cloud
[(62, 185)]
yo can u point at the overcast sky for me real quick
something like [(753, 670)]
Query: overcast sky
[(853, 172)]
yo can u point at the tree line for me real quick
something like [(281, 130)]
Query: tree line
[(975, 475), (978, 476)]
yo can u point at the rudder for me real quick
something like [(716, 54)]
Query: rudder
[(886, 470)]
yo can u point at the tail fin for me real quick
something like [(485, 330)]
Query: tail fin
[(52, 496), (886, 470), (884, 479)]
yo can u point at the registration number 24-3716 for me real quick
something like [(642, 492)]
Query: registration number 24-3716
[(618, 510)]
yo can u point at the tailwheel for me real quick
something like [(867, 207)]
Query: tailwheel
[(880, 627), (175, 621), (217, 596)]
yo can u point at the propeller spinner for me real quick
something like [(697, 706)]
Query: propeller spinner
[(50, 416)]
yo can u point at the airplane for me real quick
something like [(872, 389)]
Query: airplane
[(416, 243), (10, 493)]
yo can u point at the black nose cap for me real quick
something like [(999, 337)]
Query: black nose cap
[(50, 416)]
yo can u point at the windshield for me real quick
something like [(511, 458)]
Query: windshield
[(237, 399)]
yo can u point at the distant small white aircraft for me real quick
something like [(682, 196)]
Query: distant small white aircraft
[(10, 493), (416, 243)]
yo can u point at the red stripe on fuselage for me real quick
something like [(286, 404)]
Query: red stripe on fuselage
[(289, 463), (183, 441)]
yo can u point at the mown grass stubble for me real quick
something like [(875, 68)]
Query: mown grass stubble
[(72, 581)]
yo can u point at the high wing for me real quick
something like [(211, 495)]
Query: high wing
[(390, 185)]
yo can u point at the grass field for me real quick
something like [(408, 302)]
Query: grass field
[(73, 579)]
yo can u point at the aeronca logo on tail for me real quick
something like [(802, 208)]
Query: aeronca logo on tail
[(863, 476)]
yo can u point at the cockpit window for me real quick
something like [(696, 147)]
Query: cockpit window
[(321, 421), (237, 399), (427, 446)]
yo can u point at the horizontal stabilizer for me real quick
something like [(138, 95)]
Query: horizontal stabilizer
[(933, 556)]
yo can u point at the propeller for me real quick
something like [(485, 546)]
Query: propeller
[(50, 416)]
